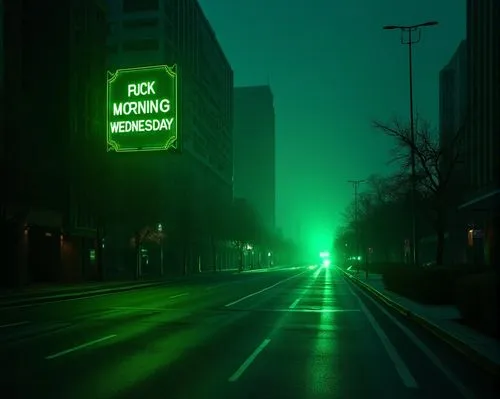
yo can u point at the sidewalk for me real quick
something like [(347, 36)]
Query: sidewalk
[(441, 320), (49, 293), (44, 289), (43, 293)]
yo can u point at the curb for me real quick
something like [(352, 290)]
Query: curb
[(456, 343), (48, 298), (264, 269), (39, 300)]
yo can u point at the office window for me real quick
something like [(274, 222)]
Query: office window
[(141, 45), (140, 23), (140, 5)]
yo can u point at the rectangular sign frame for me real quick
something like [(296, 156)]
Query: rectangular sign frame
[(142, 109)]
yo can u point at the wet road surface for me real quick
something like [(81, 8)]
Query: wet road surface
[(292, 333)]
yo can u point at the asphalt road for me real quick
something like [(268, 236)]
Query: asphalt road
[(295, 333)]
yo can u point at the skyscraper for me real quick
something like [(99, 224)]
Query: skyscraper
[(453, 97), (255, 150), (483, 133), (2, 99), (482, 138), (54, 63), (453, 100), (453, 93), (159, 32)]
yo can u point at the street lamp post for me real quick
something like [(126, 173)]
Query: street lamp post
[(159, 227), (410, 40), (356, 184)]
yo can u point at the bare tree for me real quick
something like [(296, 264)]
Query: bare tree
[(435, 164), (382, 207), (244, 227)]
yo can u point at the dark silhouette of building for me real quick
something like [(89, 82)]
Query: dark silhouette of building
[(482, 138), (54, 54), (254, 150), (154, 32), (453, 86), (144, 33), (2, 99), (453, 101)]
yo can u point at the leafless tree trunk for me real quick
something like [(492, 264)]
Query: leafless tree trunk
[(436, 163)]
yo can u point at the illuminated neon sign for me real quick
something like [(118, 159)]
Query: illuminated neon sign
[(142, 109)]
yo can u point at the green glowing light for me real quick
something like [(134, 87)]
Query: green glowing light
[(142, 109)]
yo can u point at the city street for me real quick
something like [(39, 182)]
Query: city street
[(292, 333)]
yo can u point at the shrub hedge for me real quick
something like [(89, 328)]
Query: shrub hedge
[(476, 297), (430, 286)]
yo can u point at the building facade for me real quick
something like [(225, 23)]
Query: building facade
[(155, 32), (482, 139), (255, 149), (453, 101), (2, 98), (54, 111), (453, 94)]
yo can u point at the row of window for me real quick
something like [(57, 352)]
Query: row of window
[(136, 45), (197, 42), (134, 25), (142, 23), (199, 52), (132, 6)]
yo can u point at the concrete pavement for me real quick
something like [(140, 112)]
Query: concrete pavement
[(295, 333)]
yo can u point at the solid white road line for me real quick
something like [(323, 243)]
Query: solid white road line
[(178, 295), (263, 290), (295, 303), (82, 346), (14, 324), (425, 349), (403, 371), (238, 373)]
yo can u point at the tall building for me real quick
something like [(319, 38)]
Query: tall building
[(453, 101), (54, 113), (2, 99), (255, 149), (482, 139), (453, 94), (171, 32), (156, 32)]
